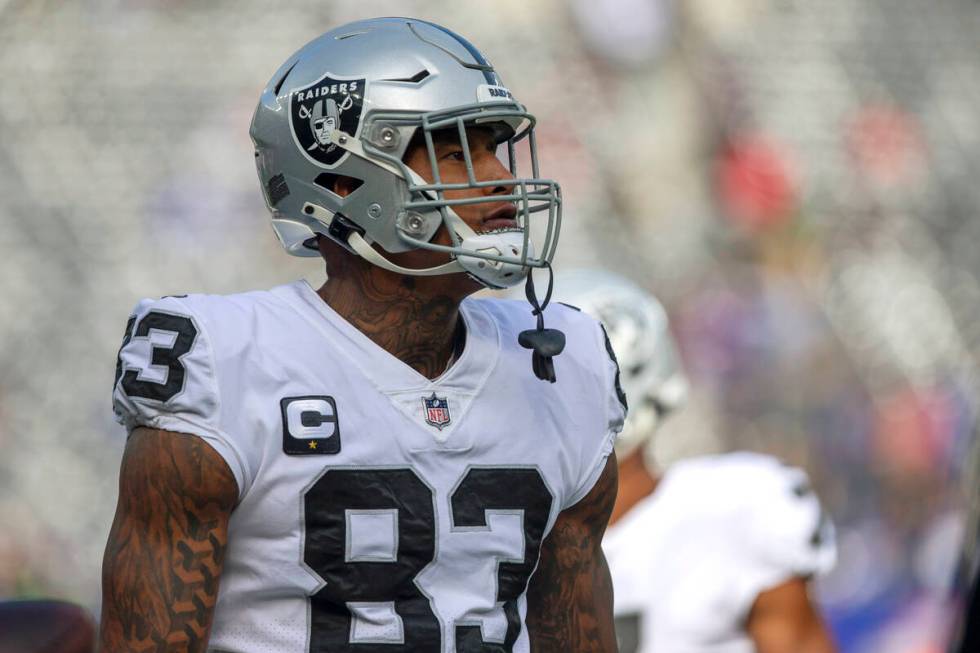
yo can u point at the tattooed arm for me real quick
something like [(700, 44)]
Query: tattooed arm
[(569, 600), (167, 543)]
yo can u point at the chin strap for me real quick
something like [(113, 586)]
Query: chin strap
[(544, 343), (359, 245)]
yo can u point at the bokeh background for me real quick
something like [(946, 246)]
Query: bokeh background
[(797, 180)]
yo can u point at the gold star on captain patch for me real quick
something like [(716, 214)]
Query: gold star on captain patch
[(312, 444)]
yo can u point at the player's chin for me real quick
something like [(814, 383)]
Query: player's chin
[(467, 283)]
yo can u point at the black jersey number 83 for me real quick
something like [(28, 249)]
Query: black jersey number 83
[(391, 584)]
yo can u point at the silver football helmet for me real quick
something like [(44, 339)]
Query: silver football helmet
[(650, 371), (349, 103)]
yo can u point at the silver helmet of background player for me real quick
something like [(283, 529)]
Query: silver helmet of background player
[(391, 79), (650, 371)]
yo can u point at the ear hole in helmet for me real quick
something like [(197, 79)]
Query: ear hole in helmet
[(339, 185)]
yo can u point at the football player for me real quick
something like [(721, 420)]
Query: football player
[(377, 464), (714, 553)]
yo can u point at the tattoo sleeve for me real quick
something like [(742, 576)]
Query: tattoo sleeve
[(167, 544), (570, 595)]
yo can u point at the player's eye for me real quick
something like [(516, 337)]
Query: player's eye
[(455, 155)]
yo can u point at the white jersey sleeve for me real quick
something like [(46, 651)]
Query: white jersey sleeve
[(794, 534), (788, 534), (166, 378)]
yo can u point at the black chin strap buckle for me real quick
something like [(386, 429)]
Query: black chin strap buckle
[(545, 344)]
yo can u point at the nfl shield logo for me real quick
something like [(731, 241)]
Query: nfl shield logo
[(436, 411)]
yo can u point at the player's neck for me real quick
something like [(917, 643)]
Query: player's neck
[(413, 319), (636, 482)]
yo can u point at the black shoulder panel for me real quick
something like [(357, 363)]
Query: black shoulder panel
[(612, 355)]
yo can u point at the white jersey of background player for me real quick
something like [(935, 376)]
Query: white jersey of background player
[(713, 554), (379, 464)]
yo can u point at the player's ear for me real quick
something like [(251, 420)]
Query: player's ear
[(344, 186), (340, 185)]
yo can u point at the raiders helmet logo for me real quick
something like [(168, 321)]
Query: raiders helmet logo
[(315, 111)]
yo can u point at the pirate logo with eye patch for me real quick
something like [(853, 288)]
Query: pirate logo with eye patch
[(317, 111)]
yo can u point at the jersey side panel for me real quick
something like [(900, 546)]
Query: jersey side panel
[(788, 535)]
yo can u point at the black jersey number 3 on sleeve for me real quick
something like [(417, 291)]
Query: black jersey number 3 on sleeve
[(185, 333)]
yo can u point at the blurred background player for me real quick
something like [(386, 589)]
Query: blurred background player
[(712, 553)]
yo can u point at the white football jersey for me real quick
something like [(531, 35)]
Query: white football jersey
[(689, 560), (379, 510)]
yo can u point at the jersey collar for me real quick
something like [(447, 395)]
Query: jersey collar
[(466, 374)]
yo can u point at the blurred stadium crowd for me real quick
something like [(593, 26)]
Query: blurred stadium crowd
[(795, 179)]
